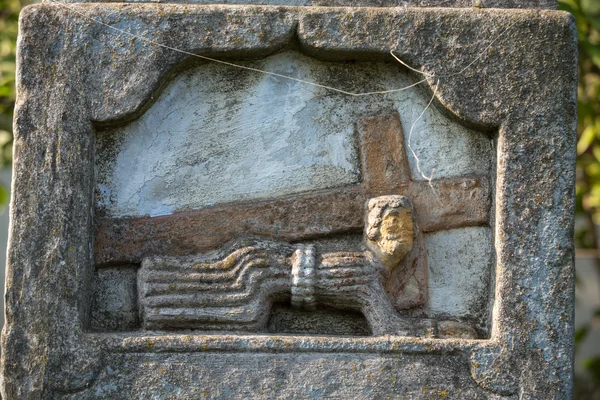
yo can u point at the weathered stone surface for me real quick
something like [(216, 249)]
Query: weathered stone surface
[(441, 203), (115, 299), (234, 289), (76, 77), (460, 265), (218, 134), (541, 4)]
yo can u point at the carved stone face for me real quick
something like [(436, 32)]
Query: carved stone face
[(390, 229), (396, 233)]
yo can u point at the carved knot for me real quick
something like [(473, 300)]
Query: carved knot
[(303, 277)]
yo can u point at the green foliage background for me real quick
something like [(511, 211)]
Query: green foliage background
[(587, 14), (9, 14)]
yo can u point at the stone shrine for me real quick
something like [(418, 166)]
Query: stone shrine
[(296, 199)]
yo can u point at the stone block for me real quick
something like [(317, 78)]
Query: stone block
[(184, 228)]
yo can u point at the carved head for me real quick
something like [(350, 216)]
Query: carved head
[(389, 228)]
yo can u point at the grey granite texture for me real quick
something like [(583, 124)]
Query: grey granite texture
[(114, 299), (74, 76), (537, 4)]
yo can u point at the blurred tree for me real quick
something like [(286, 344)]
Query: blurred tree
[(587, 15), (9, 14)]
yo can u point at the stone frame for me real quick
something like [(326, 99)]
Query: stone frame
[(525, 90)]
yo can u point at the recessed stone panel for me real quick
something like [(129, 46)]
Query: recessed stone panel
[(218, 135), (461, 263), (114, 304)]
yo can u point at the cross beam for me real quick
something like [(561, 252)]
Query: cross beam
[(439, 204)]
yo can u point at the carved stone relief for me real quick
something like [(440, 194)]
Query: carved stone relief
[(239, 266), (234, 289), (496, 244)]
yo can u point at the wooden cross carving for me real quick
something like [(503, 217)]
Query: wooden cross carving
[(439, 204)]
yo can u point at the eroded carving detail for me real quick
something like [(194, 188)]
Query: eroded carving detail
[(234, 288), (303, 271), (390, 229), (490, 370)]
